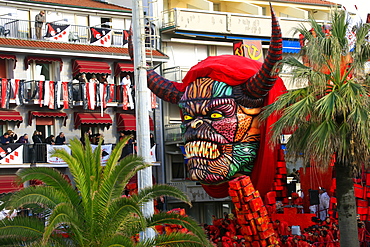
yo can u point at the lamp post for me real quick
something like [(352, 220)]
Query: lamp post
[(142, 107)]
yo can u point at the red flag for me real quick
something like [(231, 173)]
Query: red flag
[(91, 93), (154, 100), (51, 95), (65, 95), (104, 95), (41, 92), (111, 92), (4, 87), (16, 89)]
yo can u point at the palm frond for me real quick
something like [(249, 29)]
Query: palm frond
[(157, 190), (20, 229), (65, 214), (45, 196), (51, 177), (175, 239), (185, 221)]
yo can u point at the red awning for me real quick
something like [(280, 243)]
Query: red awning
[(123, 67), (9, 57), (92, 118), (128, 122), (4, 56), (28, 59), (46, 114), (93, 67), (11, 116)]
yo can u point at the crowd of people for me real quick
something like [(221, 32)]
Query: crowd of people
[(226, 232), (10, 137)]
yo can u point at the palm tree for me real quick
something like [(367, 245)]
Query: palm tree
[(93, 213), (329, 115)]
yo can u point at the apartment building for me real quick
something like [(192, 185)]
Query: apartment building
[(68, 79)]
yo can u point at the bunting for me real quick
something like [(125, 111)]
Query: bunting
[(5, 93), (41, 92), (57, 32), (65, 95), (20, 95), (51, 103), (100, 36), (111, 93), (91, 92)]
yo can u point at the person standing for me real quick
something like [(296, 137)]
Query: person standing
[(324, 200), (39, 22), (4, 139), (61, 139), (23, 139)]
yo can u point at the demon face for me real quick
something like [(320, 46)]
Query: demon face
[(221, 136), (220, 98)]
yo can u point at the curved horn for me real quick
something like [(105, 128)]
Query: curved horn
[(163, 88), (260, 84)]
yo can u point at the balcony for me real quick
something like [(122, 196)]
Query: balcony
[(24, 29), (225, 24), (32, 153), (30, 93)]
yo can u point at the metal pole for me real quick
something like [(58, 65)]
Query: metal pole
[(142, 106)]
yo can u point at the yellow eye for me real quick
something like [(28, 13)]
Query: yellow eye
[(216, 115), (187, 117)]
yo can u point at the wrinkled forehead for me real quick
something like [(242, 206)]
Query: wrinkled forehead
[(206, 89)]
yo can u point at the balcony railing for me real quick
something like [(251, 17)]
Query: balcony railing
[(225, 23), (30, 93), (24, 29), (32, 153)]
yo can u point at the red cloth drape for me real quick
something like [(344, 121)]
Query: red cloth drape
[(41, 92), (4, 86), (51, 97), (65, 95)]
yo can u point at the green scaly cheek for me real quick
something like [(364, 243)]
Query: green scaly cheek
[(243, 156)]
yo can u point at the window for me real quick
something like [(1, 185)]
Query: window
[(44, 70), (178, 167), (106, 22)]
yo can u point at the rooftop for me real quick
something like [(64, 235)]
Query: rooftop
[(59, 46), (78, 3)]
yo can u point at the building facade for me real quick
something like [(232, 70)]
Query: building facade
[(73, 79)]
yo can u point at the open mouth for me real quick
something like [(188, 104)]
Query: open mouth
[(202, 149)]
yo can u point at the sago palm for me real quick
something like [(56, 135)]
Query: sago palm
[(93, 213), (329, 113)]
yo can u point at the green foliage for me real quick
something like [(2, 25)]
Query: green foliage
[(93, 213), (331, 112)]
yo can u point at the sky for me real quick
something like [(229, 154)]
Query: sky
[(362, 6)]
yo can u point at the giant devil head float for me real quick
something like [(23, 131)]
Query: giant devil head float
[(220, 98)]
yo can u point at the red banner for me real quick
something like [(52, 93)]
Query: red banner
[(65, 95), (249, 48)]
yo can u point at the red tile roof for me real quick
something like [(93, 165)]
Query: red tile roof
[(83, 3), (9, 42), (311, 2)]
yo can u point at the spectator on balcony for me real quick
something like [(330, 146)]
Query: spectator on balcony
[(61, 139), (4, 139), (50, 140), (83, 82), (39, 22), (23, 139), (36, 137), (13, 136)]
